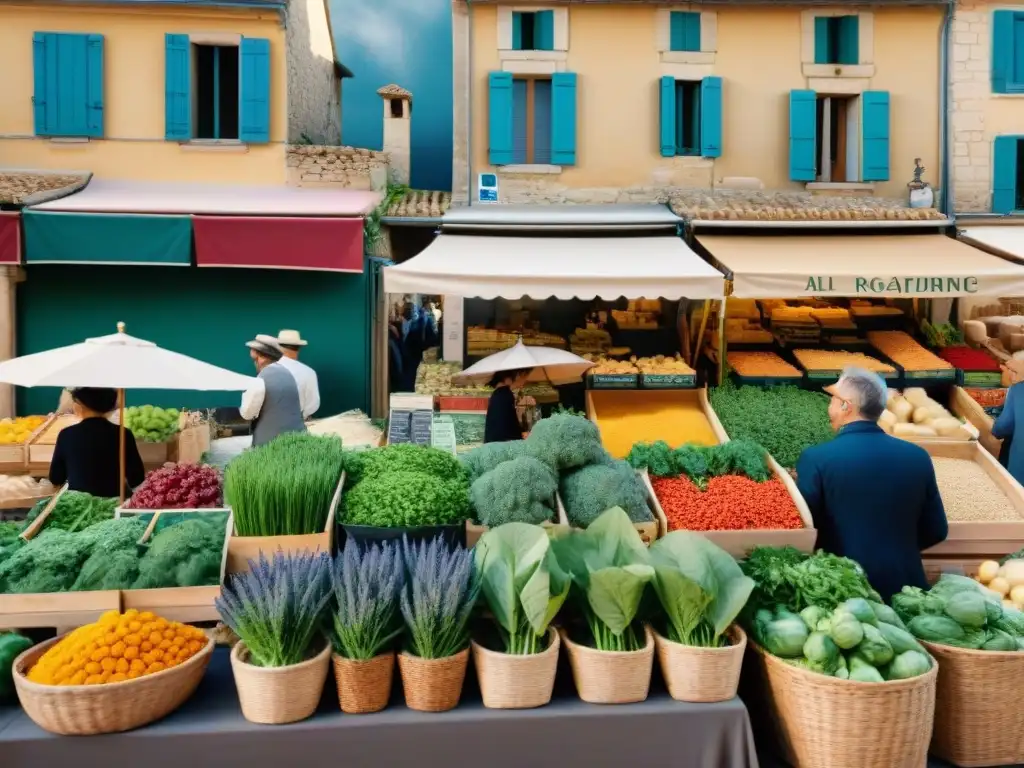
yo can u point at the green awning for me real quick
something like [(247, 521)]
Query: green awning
[(107, 238)]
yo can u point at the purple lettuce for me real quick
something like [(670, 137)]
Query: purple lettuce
[(366, 584)]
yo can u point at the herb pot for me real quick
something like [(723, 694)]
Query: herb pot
[(279, 695), (702, 675), (611, 677), (433, 685), (515, 681), (364, 685)]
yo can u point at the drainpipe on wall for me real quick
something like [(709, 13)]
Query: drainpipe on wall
[(469, 104), (945, 176)]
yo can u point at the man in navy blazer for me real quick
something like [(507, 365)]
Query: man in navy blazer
[(873, 497)]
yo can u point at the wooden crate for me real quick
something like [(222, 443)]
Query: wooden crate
[(14, 457), (38, 454), (981, 539), (934, 567), (474, 530), (63, 610), (242, 549), (965, 406)]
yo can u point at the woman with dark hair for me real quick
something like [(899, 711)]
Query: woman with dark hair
[(502, 418), (87, 454)]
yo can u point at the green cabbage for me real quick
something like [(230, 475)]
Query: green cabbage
[(785, 635), (860, 608), (999, 641), (845, 630), (967, 609), (936, 629), (821, 649), (886, 615), (909, 664), (874, 647), (900, 640), (862, 671), (813, 615)]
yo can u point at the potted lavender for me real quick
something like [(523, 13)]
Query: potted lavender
[(281, 660), (438, 597), (366, 621)]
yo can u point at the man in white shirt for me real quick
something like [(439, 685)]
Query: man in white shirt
[(291, 342)]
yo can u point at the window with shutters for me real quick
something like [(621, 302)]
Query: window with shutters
[(1008, 52), (688, 117), (216, 97), (531, 121), (67, 98), (684, 31), (1008, 174), (533, 30), (691, 117), (836, 130), (836, 40)]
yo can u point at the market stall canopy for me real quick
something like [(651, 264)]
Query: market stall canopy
[(1005, 240), (130, 222), (544, 363), (10, 237), (511, 267), (866, 266), (119, 361)]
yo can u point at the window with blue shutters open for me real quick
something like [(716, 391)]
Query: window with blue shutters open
[(684, 31), (1008, 52), (837, 39), (1008, 174), (67, 97), (533, 30), (217, 92), (690, 117), (823, 143), (532, 119)]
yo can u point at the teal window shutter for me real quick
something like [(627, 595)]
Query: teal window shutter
[(667, 123), (875, 130), (520, 121), (177, 88), (500, 118), (803, 135), (684, 31), (544, 30), (711, 117), (254, 90), (849, 40), (822, 49), (44, 90), (1002, 51), (1004, 174), (563, 118), (517, 31), (542, 106), (94, 85)]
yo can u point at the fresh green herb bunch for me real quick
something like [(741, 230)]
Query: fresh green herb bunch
[(403, 457), (284, 488), (367, 583), (407, 499), (700, 462), (185, 554), (74, 511), (785, 420)]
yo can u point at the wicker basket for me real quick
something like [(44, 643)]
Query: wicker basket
[(364, 686), (611, 677), (87, 710), (976, 722), (279, 695), (824, 722), (702, 675), (510, 681), (433, 685)]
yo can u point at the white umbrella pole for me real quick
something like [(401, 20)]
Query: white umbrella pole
[(120, 430)]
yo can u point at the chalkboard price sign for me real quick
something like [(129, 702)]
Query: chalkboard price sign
[(421, 424), (400, 427)]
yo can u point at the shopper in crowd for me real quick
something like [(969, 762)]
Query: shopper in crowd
[(502, 422), (87, 454), (419, 333), (1011, 455), (291, 343), (874, 498), (272, 402), (395, 378)]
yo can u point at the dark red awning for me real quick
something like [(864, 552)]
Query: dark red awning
[(10, 237), (279, 242)]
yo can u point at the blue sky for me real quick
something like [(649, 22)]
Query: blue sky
[(408, 42)]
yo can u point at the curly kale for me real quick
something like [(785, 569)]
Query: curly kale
[(186, 554), (403, 457), (590, 490), (566, 442), (521, 490), (113, 561), (75, 511), (481, 460), (407, 499)]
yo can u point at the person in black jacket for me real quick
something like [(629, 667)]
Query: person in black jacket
[(87, 454), (502, 419)]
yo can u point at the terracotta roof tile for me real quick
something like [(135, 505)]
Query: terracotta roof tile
[(749, 205), (419, 203), (19, 187)]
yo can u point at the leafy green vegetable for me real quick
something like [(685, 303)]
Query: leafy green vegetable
[(699, 462), (522, 582), (113, 562), (862, 671), (908, 664), (12, 645), (886, 615), (861, 609), (481, 460), (900, 640), (785, 420), (187, 554), (74, 511), (783, 635), (407, 499), (285, 487), (609, 566), (874, 648), (845, 630), (821, 649), (590, 490), (403, 457), (521, 490), (936, 629), (967, 609)]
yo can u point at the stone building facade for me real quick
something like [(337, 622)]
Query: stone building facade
[(314, 74)]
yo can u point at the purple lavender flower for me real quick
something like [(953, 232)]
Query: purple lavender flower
[(276, 606), (366, 584), (440, 591)]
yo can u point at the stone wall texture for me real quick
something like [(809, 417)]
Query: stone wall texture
[(326, 166), (314, 89)]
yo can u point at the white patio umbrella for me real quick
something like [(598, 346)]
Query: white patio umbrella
[(120, 362), (544, 363)]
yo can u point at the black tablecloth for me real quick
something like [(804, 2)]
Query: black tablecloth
[(210, 731)]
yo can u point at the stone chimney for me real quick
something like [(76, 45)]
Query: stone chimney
[(397, 136)]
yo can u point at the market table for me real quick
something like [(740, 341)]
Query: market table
[(209, 730)]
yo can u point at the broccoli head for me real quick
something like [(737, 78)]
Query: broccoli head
[(521, 490), (565, 442), (488, 456), (590, 490)]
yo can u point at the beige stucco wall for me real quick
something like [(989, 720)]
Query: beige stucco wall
[(314, 90), (977, 114), (134, 147), (758, 53)]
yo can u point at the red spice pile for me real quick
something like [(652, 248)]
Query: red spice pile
[(730, 503), (969, 359)]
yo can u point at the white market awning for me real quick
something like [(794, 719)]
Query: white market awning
[(1005, 239), (865, 266), (561, 267)]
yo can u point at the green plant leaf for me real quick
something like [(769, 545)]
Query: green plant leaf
[(615, 594), (682, 599), (617, 539)]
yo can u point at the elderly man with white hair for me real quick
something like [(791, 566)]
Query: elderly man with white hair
[(874, 497)]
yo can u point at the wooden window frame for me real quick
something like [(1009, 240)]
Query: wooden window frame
[(531, 120)]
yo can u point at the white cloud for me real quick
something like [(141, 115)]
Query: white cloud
[(375, 29)]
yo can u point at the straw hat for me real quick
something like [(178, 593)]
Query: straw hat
[(290, 338), (266, 345)]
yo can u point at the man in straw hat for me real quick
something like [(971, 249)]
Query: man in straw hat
[(291, 343), (272, 402), (873, 497)]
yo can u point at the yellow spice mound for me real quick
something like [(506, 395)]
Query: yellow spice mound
[(118, 647)]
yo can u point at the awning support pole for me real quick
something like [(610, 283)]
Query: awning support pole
[(698, 343), (722, 351)]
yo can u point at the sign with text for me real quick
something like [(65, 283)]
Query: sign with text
[(877, 286)]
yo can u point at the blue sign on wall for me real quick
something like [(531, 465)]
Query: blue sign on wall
[(407, 42)]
